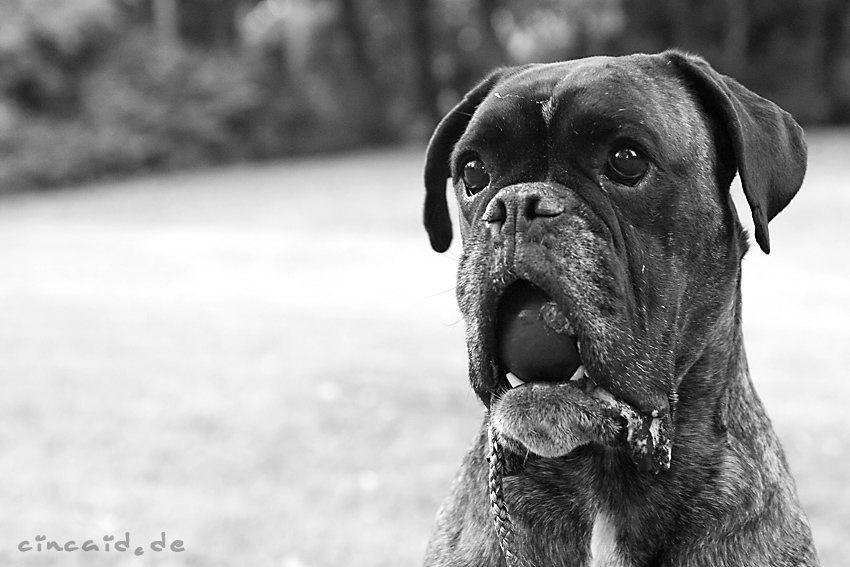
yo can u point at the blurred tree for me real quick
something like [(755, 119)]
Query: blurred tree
[(210, 23), (835, 71), (46, 46), (488, 12), (373, 94), (425, 84), (735, 36), (791, 51), (166, 21), (89, 87), (207, 23)]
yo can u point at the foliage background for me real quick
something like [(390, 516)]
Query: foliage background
[(94, 88)]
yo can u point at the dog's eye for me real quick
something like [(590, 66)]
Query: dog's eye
[(626, 165), (475, 176)]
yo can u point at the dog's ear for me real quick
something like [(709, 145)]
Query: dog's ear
[(437, 167), (767, 144)]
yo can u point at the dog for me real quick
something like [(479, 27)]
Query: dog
[(600, 286)]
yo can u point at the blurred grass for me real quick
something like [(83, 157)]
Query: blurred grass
[(266, 362)]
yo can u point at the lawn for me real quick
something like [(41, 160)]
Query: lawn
[(266, 363)]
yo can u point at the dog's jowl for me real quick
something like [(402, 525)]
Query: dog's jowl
[(600, 284)]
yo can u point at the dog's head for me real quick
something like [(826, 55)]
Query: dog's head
[(600, 241)]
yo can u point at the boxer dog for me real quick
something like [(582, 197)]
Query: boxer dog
[(600, 285)]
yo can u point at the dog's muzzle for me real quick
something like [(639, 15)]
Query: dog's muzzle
[(548, 403)]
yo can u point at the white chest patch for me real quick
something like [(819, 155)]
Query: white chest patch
[(603, 544)]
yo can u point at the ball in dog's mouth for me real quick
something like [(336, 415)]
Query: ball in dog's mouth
[(553, 405), (536, 343)]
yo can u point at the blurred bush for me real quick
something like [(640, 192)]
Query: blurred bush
[(86, 93), (92, 88)]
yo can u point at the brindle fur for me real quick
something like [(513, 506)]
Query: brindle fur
[(651, 277)]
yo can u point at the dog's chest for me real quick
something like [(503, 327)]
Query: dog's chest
[(604, 551)]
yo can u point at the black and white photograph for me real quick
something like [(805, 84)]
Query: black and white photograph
[(438, 283)]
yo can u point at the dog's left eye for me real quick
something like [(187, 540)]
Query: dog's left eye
[(475, 176), (626, 165)]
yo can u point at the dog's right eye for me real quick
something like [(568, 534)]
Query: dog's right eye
[(627, 165), (475, 176)]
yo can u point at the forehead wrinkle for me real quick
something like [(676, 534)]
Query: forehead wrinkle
[(536, 84), (547, 109)]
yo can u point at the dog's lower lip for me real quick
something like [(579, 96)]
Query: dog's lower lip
[(580, 378)]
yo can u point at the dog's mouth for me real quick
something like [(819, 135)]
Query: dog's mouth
[(547, 403), (537, 343), (535, 340)]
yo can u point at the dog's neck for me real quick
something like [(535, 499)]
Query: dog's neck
[(719, 367)]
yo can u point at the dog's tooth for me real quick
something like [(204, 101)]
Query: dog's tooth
[(578, 374), (514, 381)]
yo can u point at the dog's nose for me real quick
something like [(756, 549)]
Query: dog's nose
[(515, 208)]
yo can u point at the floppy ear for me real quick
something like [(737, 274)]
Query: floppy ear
[(767, 144), (437, 166)]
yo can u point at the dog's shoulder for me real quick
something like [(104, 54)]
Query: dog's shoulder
[(458, 536)]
